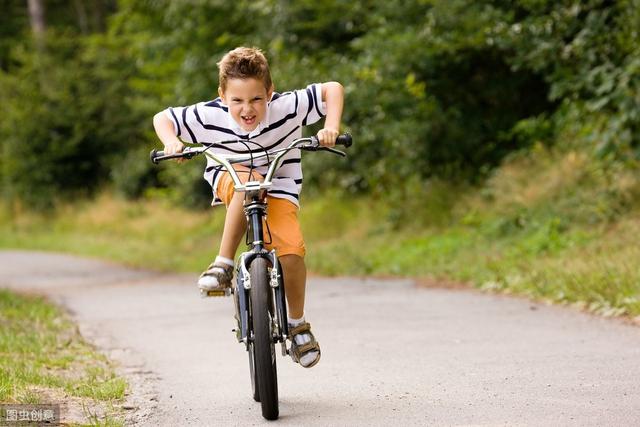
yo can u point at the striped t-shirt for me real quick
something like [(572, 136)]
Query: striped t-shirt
[(287, 113)]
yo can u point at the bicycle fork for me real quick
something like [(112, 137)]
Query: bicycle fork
[(242, 297)]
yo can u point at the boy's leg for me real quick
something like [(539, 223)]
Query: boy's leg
[(286, 238), (282, 216), (235, 225), (219, 274), (304, 345), (295, 279)]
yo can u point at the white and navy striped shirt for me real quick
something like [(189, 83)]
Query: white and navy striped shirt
[(287, 113)]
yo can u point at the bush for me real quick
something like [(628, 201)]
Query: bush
[(65, 119), (134, 173), (444, 88)]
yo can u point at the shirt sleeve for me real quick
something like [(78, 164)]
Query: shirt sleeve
[(310, 105), (186, 122)]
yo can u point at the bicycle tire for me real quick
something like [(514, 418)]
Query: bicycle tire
[(252, 371), (264, 347)]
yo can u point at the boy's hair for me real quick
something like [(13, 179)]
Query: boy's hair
[(244, 63)]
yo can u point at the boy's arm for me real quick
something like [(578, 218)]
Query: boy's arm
[(333, 96), (166, 133)]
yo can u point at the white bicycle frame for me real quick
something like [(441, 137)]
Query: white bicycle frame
[(227, 160)]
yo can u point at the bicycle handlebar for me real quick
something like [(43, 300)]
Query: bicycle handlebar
[(157, 156), (345, 140), (226, 160)]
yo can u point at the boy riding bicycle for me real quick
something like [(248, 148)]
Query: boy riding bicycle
[(248, 108)]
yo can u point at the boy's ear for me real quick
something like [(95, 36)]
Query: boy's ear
[(221, 93), (270, 92)]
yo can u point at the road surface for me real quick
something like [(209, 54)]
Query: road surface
[(392, 353)]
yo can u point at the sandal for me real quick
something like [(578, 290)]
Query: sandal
[(216, 280), (298, 351)]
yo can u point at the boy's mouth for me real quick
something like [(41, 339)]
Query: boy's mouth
[(248, 120)]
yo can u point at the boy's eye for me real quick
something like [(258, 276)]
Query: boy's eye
[(239, 101)]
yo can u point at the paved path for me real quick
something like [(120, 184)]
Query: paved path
[(392, 354)]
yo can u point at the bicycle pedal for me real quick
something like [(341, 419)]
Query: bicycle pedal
[(215, 293)]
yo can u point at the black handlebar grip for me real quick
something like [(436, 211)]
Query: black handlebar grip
[(345, 140), (159, 156), (154, 155)]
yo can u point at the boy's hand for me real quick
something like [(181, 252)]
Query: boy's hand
[(173, 147), (327, 137)]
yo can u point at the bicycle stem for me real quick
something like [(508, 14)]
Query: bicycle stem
[(273, 166)]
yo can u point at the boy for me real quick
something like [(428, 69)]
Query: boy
[(248, 108)]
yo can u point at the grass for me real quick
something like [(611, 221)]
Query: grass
[(43, 359), (145, 234), (557, 226)]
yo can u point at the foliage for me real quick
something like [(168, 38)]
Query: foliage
[(589, 54), (63, 126), (12, 23), (444, 88)]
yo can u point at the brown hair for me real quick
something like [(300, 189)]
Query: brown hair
[(244, 63)]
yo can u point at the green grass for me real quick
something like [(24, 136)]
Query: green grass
[(152, 234), (43, 357), (553, 226)]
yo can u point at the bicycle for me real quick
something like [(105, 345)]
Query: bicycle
[(259, 294)]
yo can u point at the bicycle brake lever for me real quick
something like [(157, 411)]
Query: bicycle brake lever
[(334, 151), (321, 148)]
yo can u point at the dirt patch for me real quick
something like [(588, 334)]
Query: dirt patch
[(141, 398)]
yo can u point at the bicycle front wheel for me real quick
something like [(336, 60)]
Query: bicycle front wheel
[(263, 345), (252, 372)]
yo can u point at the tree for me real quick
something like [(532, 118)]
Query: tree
[(36, 16)]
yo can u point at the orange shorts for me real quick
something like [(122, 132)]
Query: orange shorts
[(282, 215)]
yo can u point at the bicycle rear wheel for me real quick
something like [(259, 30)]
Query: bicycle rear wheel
[(264, 348)]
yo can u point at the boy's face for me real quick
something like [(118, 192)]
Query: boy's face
[(247, 100)]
